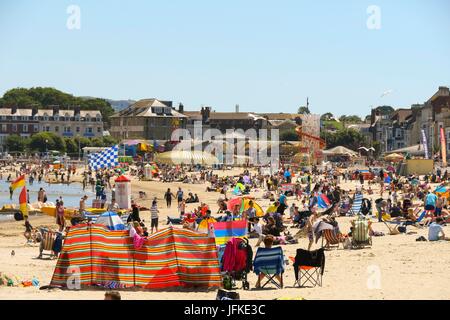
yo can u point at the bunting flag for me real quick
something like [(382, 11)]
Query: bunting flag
[(19, 182), (425, 144), (23, 202), (443, 148)]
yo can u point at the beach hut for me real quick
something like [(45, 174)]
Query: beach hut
[(170, 258), (111, 220), (123, 192)]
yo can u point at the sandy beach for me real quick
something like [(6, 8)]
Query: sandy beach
[(395, 267)]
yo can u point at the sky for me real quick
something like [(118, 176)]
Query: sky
[(266, 56)]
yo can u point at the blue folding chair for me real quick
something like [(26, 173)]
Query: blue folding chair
[(270, 262)]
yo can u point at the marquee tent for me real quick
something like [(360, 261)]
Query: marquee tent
[(186, 157)]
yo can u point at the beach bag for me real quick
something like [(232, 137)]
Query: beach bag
[(227, 295), (347, 243), (227, 283)]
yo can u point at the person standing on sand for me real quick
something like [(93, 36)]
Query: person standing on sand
[(83, 205), (60, 220), (168, 196), (179, 195), (154, 216), (309, 227)]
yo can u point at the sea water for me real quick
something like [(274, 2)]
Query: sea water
[(71, 194)]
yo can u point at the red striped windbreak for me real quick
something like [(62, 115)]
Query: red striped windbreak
[(169, 258)]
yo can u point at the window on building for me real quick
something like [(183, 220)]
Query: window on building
[(36, 128), (56, 128), (4, 127), (24, 118), (14, 128), (47, 128), (78, 129), (67, 129), (24, 128), (99, 129), (88, 130)]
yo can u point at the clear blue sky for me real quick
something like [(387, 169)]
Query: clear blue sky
[(266, 56)]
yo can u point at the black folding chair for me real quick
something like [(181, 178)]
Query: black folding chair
[(309, 267)]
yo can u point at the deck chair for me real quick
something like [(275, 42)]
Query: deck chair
[(270, 262), (309, 267), (360, 234), (331, 238), (357, 203), (48, 240)]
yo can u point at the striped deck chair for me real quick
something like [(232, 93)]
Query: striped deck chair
[(357, 203), (332, 239), (309, 267), (48, 240), (270, 262), (360, 234)]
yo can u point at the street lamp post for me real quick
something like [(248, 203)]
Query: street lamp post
[(79, 149), (46, 145)]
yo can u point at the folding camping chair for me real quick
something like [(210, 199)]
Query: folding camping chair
[(360, 234), (47, 243), (332, 239), (357, 203), (309, 267), (270, 262)]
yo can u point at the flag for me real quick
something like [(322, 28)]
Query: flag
[(425, 144), (443, 148), (19, 182), (108, 158), (23, 202)]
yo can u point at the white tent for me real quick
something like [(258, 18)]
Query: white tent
[(340, 150), (186, 157)]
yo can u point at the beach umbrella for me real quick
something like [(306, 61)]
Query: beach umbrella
[(323, 202), (111, 220), (203, 226), (394, 157), (244, 204)]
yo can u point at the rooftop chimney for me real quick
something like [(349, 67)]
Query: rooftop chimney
[(237, 108), (13, 109), (180, 108)]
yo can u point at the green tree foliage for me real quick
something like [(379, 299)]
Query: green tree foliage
[(349, 138), (385, 110), (327, 116), (44, 97), (71, 145), (288, 135), (44, 141), (350, 119), (16, 143), (303, 110)]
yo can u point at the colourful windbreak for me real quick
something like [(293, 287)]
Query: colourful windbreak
[(169, 258), (224, 231)]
